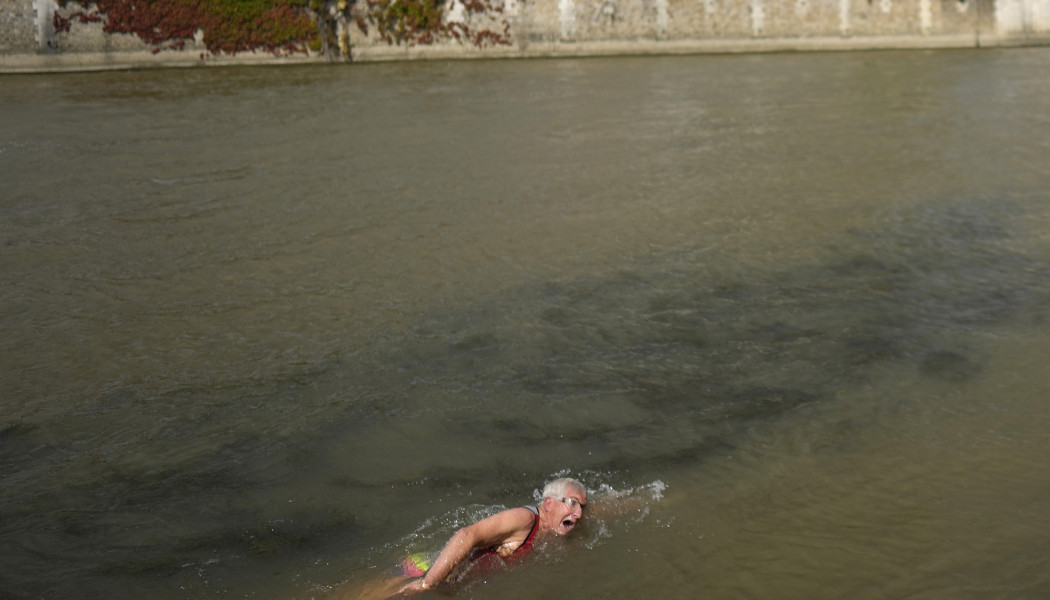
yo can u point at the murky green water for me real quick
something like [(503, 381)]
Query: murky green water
[(266, 330)]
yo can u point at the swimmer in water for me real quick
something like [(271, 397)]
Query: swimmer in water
[(503, 537)]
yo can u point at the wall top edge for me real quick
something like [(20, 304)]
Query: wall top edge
[(71, 62)]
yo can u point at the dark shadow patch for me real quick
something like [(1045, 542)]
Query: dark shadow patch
[(948, 366), (862, 351), (765, 403)]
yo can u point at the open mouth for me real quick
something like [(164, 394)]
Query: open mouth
[(568, 524)]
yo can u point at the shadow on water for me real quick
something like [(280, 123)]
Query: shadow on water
[(147, 472), (617, 376)]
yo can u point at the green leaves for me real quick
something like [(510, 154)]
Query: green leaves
[(422, 22), (289, 26), (231, 26)]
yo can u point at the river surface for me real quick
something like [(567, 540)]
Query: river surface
[(264, 331)]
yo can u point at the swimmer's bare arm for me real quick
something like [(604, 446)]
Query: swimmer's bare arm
[(507, 526)]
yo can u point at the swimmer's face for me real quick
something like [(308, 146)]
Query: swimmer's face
[(567, 511)]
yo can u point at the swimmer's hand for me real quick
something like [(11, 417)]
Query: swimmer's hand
[(412, 587)]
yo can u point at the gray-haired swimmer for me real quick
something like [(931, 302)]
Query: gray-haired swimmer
[(504, 537), (501, 539)]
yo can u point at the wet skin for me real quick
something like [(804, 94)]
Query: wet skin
[(505, 532)]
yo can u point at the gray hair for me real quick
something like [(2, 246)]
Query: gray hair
[(559, 488)]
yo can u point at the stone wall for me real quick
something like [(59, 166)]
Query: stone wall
[(593, 20), (28, 41), (18, 29), (588, 27)]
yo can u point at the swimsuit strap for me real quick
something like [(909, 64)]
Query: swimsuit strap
[(535, 526), (524, 546)]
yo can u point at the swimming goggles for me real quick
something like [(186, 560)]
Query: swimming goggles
[(573, 503)]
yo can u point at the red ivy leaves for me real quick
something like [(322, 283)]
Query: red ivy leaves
[(422, 22), (279, 26), (229, 25)]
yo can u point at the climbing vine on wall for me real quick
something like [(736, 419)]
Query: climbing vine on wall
[(288, 26), (279, 26), (421, 22)]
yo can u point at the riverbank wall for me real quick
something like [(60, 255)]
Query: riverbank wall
[(29, 41)]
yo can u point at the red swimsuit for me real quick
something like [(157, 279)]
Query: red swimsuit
[(481, 560), (484, 560)]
